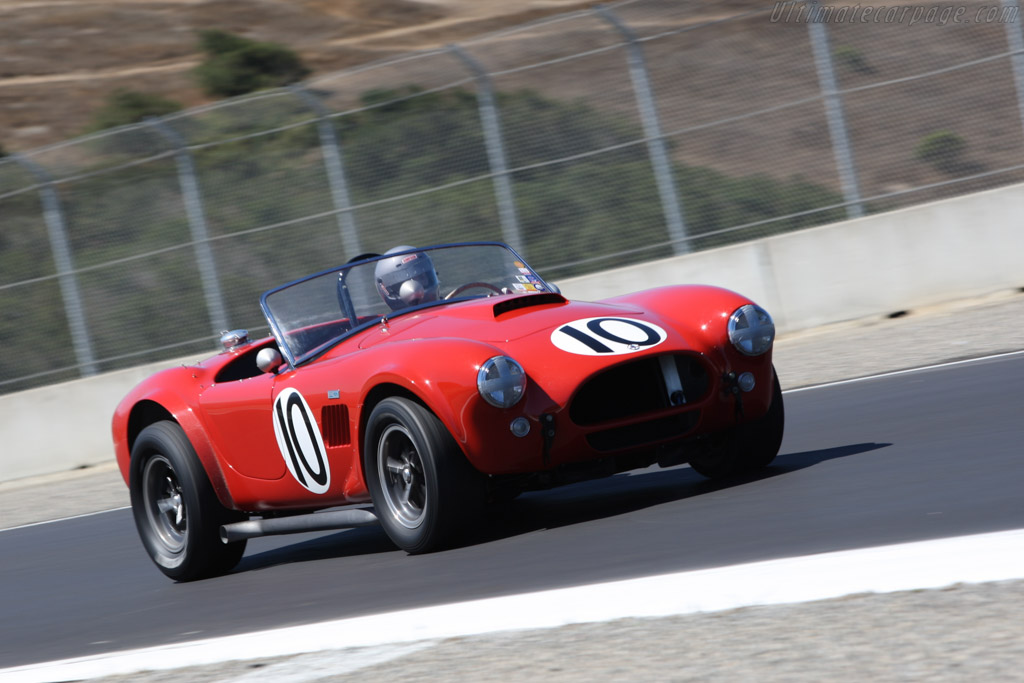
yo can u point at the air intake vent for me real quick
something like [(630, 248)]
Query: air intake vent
[(525, 301), (335, 422), (637, 387), (644, 433)]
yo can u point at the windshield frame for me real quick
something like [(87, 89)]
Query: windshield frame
[(349, 309)]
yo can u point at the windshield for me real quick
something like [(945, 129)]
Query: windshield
[(310, 315)]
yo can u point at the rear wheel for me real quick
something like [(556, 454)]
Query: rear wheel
[(425, 493), (176, 511), (750, 447)]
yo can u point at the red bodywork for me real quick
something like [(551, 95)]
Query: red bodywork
[(225, 404)]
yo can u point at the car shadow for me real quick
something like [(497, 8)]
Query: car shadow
[(550, 509), (629, 492), (359, 542)]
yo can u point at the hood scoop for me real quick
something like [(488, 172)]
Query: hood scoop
[(517, 302)]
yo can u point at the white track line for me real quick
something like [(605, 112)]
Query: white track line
[(909, 566), (65, 519), (907, 371)]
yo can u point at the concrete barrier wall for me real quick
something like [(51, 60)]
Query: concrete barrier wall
[(876, 265), (65, 426)]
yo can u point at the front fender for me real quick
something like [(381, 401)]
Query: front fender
[(701, 313), (702, 309), (439, 372)]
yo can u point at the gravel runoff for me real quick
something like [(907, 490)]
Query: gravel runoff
[(961, 633)]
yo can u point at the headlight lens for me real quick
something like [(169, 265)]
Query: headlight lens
[(751, 330), (501, 381)]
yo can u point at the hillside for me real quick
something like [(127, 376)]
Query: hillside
[(59, 59)]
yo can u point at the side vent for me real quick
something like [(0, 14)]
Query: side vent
[(525, 301), (334, 418)]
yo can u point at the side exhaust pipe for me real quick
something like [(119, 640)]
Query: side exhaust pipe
[(317, 521)]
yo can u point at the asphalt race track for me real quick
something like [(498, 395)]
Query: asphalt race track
[(912, 456)]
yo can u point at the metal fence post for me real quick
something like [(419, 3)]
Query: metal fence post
[(656, 148), (1015, 41), (56, 229), (335, 171), (197, 225), (495, 150), (834, 110)]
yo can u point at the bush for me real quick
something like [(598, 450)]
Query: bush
[(853, 59), (943, 149), (236, 66), (124, 107), (217, 42)]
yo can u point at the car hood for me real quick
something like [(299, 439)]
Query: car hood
[(517, 325), (489, 321)]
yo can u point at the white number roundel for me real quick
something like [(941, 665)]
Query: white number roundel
[(300, 441), (607, 336)]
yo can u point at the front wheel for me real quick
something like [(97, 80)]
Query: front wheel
[(176, 511), (752, 446), (425, 493)]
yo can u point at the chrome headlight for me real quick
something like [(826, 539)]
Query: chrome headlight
[(501, 381), (751, 330)]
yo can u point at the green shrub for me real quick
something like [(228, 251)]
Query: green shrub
[(217, 42), (943, 149), (236, 66), (853, 59), (124, 107)]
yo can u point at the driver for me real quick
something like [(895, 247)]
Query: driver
[(406, 280)]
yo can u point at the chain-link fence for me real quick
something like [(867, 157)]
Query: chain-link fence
[(589, 140)]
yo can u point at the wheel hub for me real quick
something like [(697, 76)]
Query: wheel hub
[(401, 474), (164, 503)]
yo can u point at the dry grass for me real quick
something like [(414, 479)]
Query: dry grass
[(60, 59)]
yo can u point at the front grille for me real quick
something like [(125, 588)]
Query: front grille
[(643, 433), (635, 388)]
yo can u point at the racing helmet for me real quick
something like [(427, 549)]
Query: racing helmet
[(406, 280)]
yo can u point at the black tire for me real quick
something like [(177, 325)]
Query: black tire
[(425, 492), (751, 447), (176, 511)]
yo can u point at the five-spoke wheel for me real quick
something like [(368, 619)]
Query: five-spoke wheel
[(176, 511), (425, 492), (163, 504), (401, 474)]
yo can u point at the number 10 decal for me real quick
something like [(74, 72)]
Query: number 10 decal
[(607, 336), (300, 441)]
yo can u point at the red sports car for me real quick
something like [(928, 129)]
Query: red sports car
[(432, 382)]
